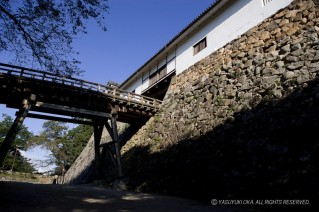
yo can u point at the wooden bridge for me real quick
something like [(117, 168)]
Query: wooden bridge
[(44, 95), (60, 95)]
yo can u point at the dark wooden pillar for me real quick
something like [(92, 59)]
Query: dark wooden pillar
[(13, 131), (117, 146), (98, 129)]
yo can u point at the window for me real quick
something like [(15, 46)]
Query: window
[(265, 2), (159, 74), (200, 46), (145, 77)]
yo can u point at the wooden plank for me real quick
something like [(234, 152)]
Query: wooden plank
[(73, 110), (55, 118)]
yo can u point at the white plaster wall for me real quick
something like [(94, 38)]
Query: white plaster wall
[(171, 66), (145, 84), (137, 86), (239, 17)]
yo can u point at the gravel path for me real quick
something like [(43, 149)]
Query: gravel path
[(15, 196)]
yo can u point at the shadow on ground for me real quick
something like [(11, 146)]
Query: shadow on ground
[(39, 197)]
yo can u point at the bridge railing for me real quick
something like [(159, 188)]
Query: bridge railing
[(111, 92)]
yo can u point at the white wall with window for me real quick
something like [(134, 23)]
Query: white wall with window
[(145, 80), (227, 25), (136, 86), (156, 73), (150, 76), (222, 26)]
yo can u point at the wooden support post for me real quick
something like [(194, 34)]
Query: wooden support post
[(107, 150), (110, 130), (13, 131), (117, 146), (98, 129)]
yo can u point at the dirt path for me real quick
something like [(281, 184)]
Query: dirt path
[(16, 196)]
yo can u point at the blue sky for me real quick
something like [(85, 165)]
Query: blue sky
[(136, 30)]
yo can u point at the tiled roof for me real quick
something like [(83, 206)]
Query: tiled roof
[(175, 37), (188, 26)]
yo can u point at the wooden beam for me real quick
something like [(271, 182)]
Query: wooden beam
[(117, 146), (109, 129), (73, 110), (98, 130), (63, 96), (14, 129), (106, 144), (55, 118)]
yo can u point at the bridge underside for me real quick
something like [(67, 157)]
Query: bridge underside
[(87, 106), (43, 95)]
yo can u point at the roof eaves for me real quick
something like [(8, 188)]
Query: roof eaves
[(174, 39)]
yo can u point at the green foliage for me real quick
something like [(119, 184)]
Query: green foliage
[(18, 164), (21, 137), (42, 32), (14, 156), (77, 140), (65, 145)]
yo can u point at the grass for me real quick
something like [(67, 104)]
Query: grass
[(25, 177)]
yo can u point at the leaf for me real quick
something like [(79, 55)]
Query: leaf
[(43, 31)]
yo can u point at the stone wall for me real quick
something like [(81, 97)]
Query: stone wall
[(241, 123), (83, 169)]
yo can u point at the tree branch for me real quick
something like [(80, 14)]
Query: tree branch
[(25, 33)]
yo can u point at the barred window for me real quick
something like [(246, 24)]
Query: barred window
[(200, 46), (145, 76), (265, 2), (159, 74)]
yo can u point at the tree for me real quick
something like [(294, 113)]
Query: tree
[(77, 138), (41, 31), (65, 145), (53, 138), (21, 164)]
